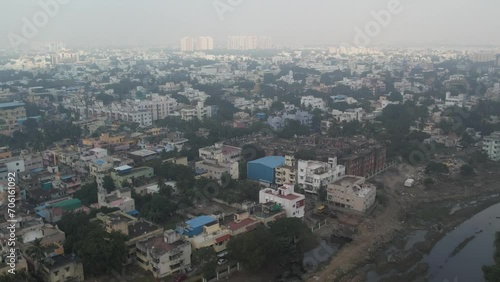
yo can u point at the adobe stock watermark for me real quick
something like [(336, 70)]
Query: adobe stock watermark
[(31, 26), (225, 6), (381, 19)]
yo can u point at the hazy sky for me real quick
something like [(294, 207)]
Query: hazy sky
[(311, 22)]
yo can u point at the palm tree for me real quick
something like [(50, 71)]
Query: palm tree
[(36, 251)]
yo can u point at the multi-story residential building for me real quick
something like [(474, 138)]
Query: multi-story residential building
[(365, 162), (491, 146), (313, 103), (287, 173), (204, 43), (458, 100), (349, 115), (221, 153), (128, 173), (312, 175), (242, 42), (212, 236), (62, 268), (293, 203), (135, 229), (159, 106), (213, 169), (352, 193), (187, 44), (164, 255), (200, 111), (11, 112)]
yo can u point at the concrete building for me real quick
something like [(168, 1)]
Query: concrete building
[(62, 268), (242, 42), (312, 175), (215, 170), (11, 112), (199, 111), (128, 173), (195, 226), (313, 103), (263, 169), (491, 146), (211, 236), (187, 44), (164, 255), (458, 100), (352, 193), (135, 229), (204, 43), (286, 173), (293, 203)]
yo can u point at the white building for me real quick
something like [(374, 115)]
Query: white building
[(313, 102), (491, 146), (314, 174), (458, 100), (242, 42), (352, 192), (204, 43), (293, 203), (349, 115), (187, 44), (199, 111)]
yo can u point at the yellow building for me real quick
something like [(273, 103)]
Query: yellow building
[(287, 173), (105, 137), (5, 153)]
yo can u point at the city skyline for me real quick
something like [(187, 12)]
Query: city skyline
[(302, 24)]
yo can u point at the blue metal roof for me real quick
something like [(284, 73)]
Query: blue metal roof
[(271, 161), (99, 162), (200, 221), (133, 212)]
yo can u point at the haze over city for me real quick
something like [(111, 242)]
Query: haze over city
[(289, 23)]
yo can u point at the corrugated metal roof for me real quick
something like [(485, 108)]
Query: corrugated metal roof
[(200, 221), (271, 161)]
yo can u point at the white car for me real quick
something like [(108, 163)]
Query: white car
[(221, 261)]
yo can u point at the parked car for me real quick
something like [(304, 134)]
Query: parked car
[(221, 261)]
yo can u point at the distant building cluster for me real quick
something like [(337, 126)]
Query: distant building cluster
[(202, 43)]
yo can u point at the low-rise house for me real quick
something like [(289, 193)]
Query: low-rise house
[(62, 268), (293, 203)]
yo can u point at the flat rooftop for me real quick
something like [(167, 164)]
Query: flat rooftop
[(141, 227), (350, 179), (143, 153)]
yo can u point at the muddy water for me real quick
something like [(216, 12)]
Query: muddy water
[(466, 264)]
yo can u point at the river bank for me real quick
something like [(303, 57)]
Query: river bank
[(394, 262), (382, 253)]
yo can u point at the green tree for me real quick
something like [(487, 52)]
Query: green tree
[(492, 272), (206, 260), (108, 184), (36, 251), (253, 249), (322, 193)]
